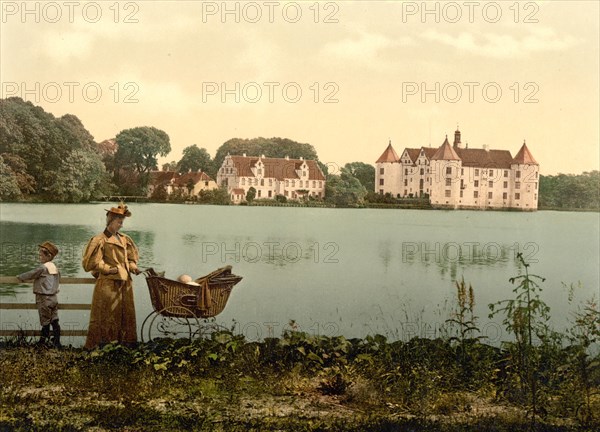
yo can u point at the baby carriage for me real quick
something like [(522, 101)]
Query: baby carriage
[(184, 309)]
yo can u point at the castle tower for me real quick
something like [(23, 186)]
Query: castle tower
[(388, 171), (525, 180), (457, 143), (445, 173)]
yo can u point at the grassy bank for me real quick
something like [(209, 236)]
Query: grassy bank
[(297, 382)]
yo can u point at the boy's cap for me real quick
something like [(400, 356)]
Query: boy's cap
[(50, 248)]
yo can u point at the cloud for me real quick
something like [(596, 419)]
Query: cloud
[(364, 47), (503, 45)]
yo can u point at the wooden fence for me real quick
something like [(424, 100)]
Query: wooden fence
[(61, 306)]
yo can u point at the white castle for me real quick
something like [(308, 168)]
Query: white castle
[(455, 176)]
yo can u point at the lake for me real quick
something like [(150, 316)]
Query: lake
[(350, 272)]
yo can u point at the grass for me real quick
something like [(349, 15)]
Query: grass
[(297, 382)]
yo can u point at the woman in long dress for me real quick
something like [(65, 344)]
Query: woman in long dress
[(111, 257)]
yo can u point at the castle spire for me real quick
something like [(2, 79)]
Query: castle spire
[(457, 143)]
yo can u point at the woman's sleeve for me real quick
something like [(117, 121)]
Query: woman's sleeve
[(133, 254), (93, 257)]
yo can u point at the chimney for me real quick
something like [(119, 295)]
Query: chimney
[(287, 158), (262, 156), (244, 154), (485, 147), (301, 158)]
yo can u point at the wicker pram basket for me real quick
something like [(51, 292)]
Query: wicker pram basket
[(177, 299)]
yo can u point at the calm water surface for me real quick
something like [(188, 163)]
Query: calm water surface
[(333, 271)]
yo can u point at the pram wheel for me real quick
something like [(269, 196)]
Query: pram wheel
[(170, 322)]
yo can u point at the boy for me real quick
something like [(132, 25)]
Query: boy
[(46, 280)]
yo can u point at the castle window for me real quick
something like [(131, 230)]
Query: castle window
[(243, 181), (381, 171), (505, 185), (448, 182), (505, 173), (422, 171), (476, 171), (476, 183), (380, 182), (461, 194), (491, 184), (448, 170), (491, 172), (490, 194), (536, 175), (518, 174), (294, 183), (262, 182), (475, 194), (258, 194), (504, 195), (517, 185), (405, 182), (380, 191), (462, 171), (517, 196), (314, 184), (405, 172), (448, 193), (270, 194)]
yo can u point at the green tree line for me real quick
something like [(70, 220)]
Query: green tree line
[(569, 191), (46, 158)]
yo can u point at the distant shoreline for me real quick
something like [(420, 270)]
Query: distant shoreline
[(407, 206)]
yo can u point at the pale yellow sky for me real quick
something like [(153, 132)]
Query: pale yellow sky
[(170, 64)]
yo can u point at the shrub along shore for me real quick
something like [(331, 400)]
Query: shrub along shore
[(297, 382)]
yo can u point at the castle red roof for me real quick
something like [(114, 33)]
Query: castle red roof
[(278, 168), (484, 158), (389, 155), (445, 152), (524, 157)]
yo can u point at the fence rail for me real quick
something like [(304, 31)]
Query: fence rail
[(61, 306)]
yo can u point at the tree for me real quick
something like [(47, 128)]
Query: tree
[(344, 190), (190, 186), (570, 191), (80, 178), (214, 196), (365, 173), (35, 145), (251, 194), (9, 188), (159, 194), (169, 166), (138, 151), (194, 159)]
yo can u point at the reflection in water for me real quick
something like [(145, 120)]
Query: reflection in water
[(452, 256), (19, 249)]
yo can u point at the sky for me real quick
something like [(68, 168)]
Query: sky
[(347, 77)]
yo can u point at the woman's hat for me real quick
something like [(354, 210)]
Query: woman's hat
[(52, 250), (121, 210)]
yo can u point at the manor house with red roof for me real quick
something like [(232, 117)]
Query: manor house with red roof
[(455, 176), (291, 178)]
